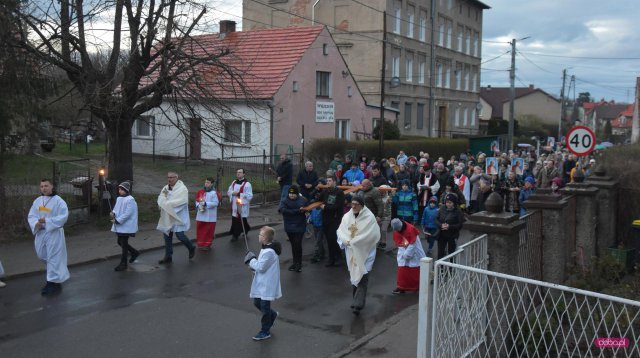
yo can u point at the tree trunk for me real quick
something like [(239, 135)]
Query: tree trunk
[(119, 152)]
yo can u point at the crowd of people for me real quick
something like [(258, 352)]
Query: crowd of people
[(349, 211)]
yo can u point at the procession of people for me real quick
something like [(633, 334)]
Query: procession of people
[(413, 197)]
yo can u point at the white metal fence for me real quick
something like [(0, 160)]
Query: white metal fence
[(472, 312)]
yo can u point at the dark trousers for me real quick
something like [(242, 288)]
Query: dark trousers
[(236, 226), (268, 315), (446, 244), (330, 228), (168, 242), (360, 293), (295, 238), (123, 242)]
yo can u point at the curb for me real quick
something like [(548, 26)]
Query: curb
[(379, 330)]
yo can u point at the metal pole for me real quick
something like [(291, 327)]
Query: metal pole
[(432, 68), (564, 78), (424, 318), (512, 93), (382, 80), (302, 141)]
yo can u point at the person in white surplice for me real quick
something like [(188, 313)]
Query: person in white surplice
[(46, 218), (358, 235)]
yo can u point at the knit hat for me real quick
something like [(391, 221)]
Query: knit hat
[(530, 180), (126, 186), (396, 224), (452, 198), (434, 199), (425, 166), (293, 190)]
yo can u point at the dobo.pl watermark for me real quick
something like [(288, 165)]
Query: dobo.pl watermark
[(611, 342)]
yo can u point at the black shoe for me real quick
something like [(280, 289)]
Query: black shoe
[(356, 311), (165, 260), (51, 288), (192, 252), (134, 256), (121, 267), (292, 267), (382, 245), (397, 291), (234, 238), (299, 268), (315, 260)]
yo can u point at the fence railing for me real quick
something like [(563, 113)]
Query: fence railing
[(479, 313)]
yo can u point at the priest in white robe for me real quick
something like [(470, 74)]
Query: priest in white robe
[(47, 216), (358, 235), (173, 202)]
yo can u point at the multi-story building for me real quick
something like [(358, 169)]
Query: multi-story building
[(431, 53)]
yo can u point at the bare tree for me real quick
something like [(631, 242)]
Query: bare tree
[(127, 57)]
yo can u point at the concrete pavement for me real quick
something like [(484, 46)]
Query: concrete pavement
[(395, 337)]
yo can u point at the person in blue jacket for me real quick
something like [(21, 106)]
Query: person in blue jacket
[(354, 174), (295, 224), (429, 224)]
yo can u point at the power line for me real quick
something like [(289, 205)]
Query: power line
[(533, 63), (495, 58), (583, 57)]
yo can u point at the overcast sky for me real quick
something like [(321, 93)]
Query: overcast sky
[(603, 36), (558, 31)]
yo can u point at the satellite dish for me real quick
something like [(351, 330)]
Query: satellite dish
[(479, 106), (395, 82)]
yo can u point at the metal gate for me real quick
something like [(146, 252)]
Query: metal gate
[(73, 182)]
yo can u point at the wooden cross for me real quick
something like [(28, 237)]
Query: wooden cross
[(353, 230)]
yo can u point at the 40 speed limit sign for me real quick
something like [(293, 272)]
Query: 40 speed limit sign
[(580, 140)]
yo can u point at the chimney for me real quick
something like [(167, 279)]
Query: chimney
[(488, 88), (227, 26), (532, 87)]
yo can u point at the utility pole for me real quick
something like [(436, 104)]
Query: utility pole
[(382, 82), (512, 93), (635, 126), (564, 79)]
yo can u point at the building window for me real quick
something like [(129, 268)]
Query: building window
[(410, 20), (465, 112), (441, 33), (395, 64), (420, 116), (296, 86), (456, 117), (476, 44), (468, 44), (474, 79), (460, 35), (447, 76), (349, 91), (325, 49), (323, 84), (421, 73), (466, 78), (395, 104), (342, 129), (423, 26), (409, 69), (459, 70), (143, 126), (438, 75), (449, 33), (473, 117), (397, 17), (237, 132), (407, 116)]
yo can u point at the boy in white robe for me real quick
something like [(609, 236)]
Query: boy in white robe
[(47, 216), (358, 235)]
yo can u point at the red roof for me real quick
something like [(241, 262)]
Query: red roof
[(261, 59)]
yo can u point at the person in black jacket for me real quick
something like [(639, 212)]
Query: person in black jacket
[(332, 211), (295, 224), (307, 180), (285, 175), (449, 221)]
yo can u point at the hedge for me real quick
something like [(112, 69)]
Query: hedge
[(321, 151)]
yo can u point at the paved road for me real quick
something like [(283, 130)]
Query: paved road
[(192, 309)]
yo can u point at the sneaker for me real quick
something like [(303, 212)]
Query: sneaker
[(134, 256), (261, 336), (234, 238), (2, 284), (429, 252), (299, 268), (397, 291), (192, 252), (121, 267), (382, 245), (165, 260), (51, 288), (292, 267), (315, 260)]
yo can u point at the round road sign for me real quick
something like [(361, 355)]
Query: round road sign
[(580, 140)]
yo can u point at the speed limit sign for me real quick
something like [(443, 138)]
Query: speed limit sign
[(580, 140)]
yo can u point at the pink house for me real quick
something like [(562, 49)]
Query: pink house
[(295, 77)]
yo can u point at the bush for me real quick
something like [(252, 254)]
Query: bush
[(391, 131)]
